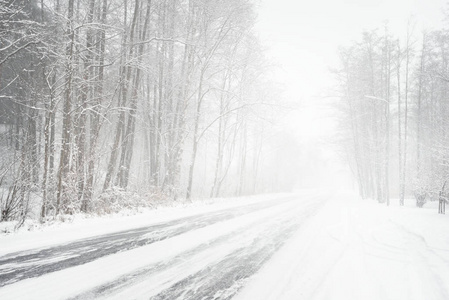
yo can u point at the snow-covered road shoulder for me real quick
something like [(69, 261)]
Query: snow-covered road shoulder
[(85, 226), (357, 249)]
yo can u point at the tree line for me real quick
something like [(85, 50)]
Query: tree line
[(102, 99), (393, 112)]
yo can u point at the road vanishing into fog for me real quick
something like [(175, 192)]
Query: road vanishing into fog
[(203, 256)]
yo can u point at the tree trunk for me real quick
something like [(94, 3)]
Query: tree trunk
[(195, 135), (400, 155), (64, 161)]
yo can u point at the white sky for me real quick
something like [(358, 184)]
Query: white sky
[(303, 38)]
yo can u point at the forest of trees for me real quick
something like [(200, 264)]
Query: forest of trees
[(394, 113), (103, 100)]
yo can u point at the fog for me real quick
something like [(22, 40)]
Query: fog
[(304, 40), (208, 99), (218, 149)]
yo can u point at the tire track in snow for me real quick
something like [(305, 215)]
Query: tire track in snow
[(222, 277), (28, 264)]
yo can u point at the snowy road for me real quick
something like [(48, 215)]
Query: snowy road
[(203, 256), (311, 246)]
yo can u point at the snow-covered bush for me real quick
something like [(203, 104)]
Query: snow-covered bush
[(15, 201), (115, 199), (421, 194), (156, 196), (427, 187)]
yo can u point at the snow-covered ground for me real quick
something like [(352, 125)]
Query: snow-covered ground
[(311, 245), (357, 249)]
